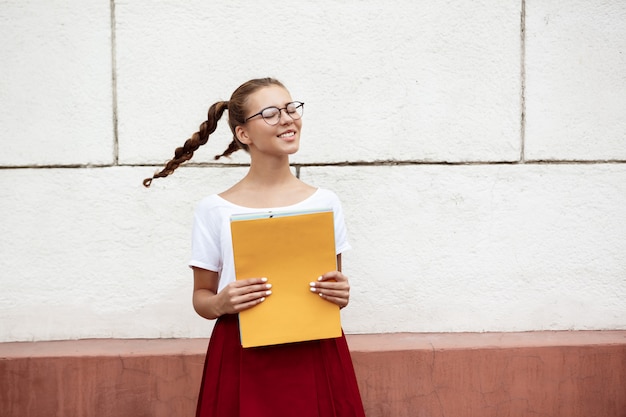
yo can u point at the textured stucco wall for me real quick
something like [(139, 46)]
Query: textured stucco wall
[(479, 149)]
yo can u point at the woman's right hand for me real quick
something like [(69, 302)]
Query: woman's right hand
[(235, 297), (242, 295)]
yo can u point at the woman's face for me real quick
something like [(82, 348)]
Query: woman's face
[(283, 138)]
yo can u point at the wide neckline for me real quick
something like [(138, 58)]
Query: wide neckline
[(317, 190)]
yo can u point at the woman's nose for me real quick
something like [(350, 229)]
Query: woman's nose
[(287, 119)]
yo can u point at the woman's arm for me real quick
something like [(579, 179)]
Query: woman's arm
[(235, 297)]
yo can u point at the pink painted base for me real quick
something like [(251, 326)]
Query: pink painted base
[(548, 374)]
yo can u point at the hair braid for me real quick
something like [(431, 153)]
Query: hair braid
[(237, 107), (234, 146), (201, 137)]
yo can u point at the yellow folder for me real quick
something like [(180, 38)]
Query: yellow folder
[(291, 249)]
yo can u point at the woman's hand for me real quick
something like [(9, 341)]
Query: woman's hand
[(333, 287), (235, 297), (242, 295)]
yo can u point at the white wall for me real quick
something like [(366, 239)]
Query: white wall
[(482, 167)]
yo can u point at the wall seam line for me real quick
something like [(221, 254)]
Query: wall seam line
[(523, 82), (298, 166), (114, 86)]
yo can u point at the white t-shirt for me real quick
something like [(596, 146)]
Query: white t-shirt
[(211, 242)]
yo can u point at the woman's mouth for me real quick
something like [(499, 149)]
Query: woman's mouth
[(287, 135)]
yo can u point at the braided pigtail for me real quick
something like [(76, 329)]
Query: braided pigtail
[(237, 110), (234, 146), (201, 137)]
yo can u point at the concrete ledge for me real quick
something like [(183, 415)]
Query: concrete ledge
[(568, 374)]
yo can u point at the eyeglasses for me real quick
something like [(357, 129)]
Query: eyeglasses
[(271, 115)]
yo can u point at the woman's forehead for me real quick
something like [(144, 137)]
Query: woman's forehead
[(269, 96)]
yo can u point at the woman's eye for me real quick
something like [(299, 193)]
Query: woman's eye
[(269, 113)]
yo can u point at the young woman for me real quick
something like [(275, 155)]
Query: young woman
[(314, 378)]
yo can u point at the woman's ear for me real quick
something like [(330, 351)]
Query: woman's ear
[(242, 135)]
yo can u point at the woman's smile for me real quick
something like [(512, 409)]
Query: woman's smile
[(288, 135)]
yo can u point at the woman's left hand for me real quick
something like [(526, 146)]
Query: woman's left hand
[(333, 287)]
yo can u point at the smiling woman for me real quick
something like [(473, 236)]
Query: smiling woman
[(312, 378), (279, 118)]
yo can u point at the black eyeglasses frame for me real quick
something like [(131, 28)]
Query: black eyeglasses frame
[(298, 106)]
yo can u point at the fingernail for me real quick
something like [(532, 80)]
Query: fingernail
[(264, 279), (312, 289), (312, 284), (268, 292), (321, 295), (268, 286), (262, 299), (319, 278)]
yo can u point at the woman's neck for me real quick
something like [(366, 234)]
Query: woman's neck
[(268, 186), (269, 173)]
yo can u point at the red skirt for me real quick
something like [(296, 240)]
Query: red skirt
[(305, 379)]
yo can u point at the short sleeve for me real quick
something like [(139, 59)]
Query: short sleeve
[(341, 232), (205, 239)]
